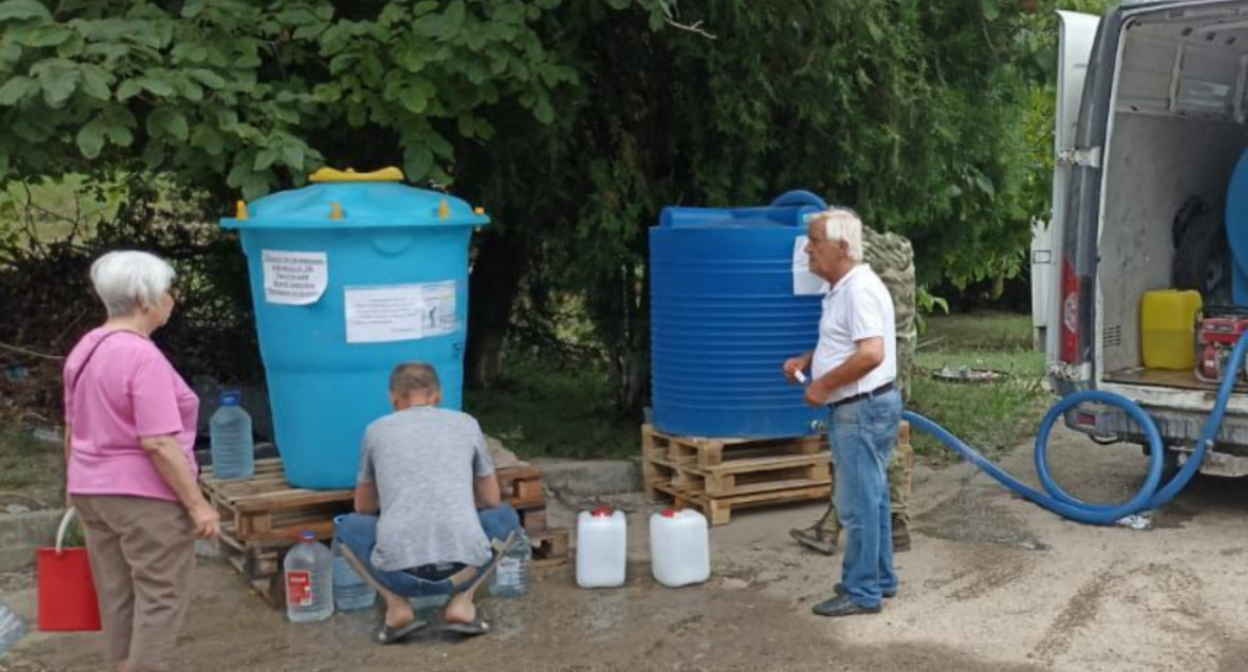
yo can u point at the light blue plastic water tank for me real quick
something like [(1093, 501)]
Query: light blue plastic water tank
[(724, 318), (392, 250)]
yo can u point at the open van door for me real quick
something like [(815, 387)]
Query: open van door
[(1078, 34)]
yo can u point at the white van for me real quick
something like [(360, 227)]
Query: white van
[(1152, 110)]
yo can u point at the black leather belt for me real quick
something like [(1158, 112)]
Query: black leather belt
[(883, 389)]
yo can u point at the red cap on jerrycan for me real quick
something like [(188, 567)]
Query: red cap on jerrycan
[(668, 513), (602, 512)]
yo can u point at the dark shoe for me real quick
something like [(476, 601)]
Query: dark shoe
[(841, 605), (901, 536), (389, 635), (476, 628), (813, 538), (840, 589)]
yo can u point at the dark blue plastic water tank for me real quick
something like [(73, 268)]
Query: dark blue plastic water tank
[(1237, 229), (724, 318)]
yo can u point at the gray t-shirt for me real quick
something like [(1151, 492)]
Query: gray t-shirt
[(424, 461)]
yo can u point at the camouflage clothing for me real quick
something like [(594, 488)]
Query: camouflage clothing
[(900, 480), (892, 258)]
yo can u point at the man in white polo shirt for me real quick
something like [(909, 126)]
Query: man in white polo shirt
[(852, 372)]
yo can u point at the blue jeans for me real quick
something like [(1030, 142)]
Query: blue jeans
[(863, 435), (359, 533)]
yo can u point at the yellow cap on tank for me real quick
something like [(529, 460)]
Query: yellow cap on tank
[(389, 174)]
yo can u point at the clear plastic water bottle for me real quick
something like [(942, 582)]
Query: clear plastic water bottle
[(233, 452), (511, 577), (12, 628), (309, 574), (351, 591)]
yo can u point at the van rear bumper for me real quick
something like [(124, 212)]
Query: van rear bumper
[(1179, 431)]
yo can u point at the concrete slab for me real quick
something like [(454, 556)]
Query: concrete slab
[(590, 478)]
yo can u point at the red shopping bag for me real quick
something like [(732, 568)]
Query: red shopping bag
[(67, 601)]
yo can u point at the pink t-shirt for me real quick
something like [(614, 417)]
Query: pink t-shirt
[(127, 391)]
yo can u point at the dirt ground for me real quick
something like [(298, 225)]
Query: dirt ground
[(993, 583)]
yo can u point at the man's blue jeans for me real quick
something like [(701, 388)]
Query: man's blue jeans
[(359, 532), (863, 435)]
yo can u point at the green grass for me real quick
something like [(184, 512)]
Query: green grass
[(991, 416), (544, 409), (540, 409), (1004, 332), (30, 468)]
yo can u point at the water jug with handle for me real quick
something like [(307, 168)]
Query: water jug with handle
[(680, 551), (233, 449), (601, 548), (351, 591), (309, 568)]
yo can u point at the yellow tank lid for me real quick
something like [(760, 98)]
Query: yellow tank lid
[(390, 174)]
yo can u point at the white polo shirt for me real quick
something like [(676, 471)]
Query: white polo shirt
[(858, 307)]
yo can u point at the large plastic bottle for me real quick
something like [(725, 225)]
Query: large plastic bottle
[(12, 628), (680, 550), (233, 451), (601, 548), (511, 576), (309, 574), (351, 592)]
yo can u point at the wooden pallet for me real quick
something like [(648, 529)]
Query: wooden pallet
[(718, 510), (704, 452), (265, 509), (533, 518), (717, 476), (551, 548), (262, 516), (522, 486), (741, 477)]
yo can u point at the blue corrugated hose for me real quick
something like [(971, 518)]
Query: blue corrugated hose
[(1062, 503)]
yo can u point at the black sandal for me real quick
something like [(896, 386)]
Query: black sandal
[(476, 628), (389, 635)]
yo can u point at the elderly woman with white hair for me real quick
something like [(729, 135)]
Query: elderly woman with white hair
[(130, 430)]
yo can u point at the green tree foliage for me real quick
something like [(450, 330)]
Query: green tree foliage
[(574, 123), (257, 94), (914, 113)]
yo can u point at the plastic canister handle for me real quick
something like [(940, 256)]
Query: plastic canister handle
[(64, 526)]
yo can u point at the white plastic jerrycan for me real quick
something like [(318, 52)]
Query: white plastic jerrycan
[(601, 548), (680, 548)]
